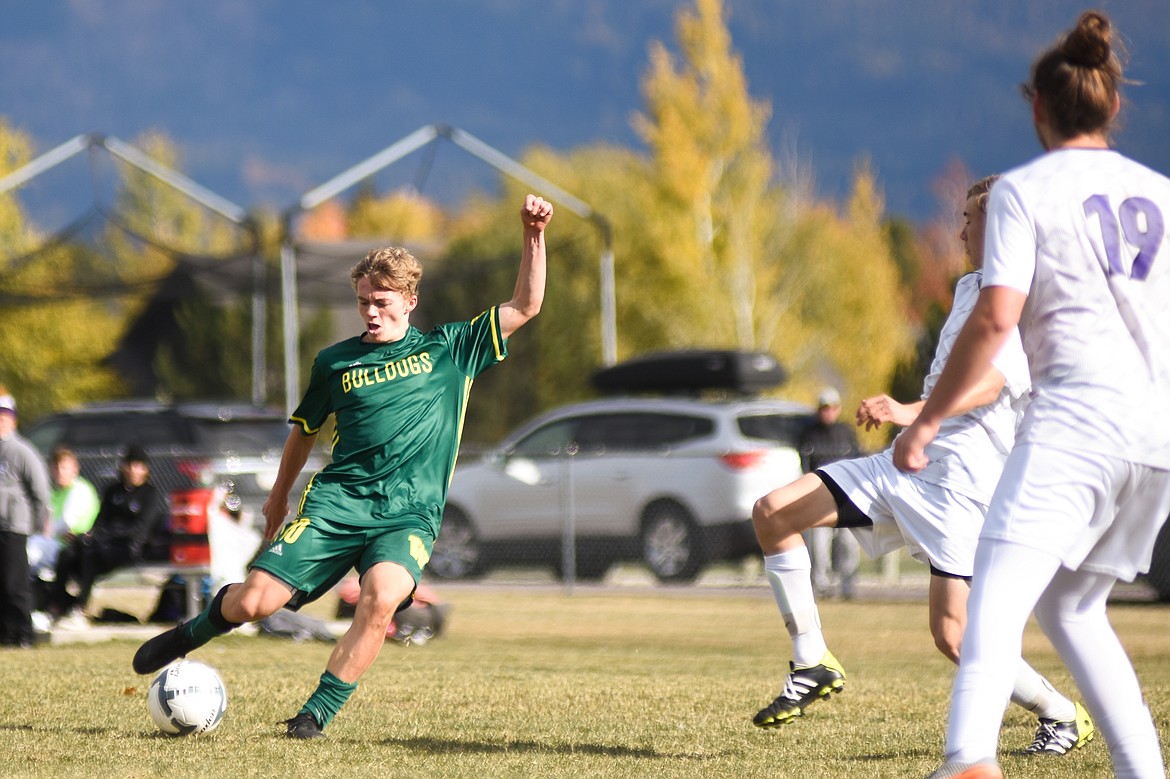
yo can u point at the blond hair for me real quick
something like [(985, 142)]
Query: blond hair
[(390, 268), (981, 191)]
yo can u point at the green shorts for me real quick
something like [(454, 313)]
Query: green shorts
[(311, 555)]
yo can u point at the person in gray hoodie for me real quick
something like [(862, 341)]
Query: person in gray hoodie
[(24, 509)]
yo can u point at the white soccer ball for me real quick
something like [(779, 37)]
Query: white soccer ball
[(187, 698)]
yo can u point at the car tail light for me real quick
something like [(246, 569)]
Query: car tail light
[(190, 509), (190, 514), (741, 461), (198, 471)]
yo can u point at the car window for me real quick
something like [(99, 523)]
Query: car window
[(781, 428), (639, 431), (252, 435), (547, 441), (146, 429), (664, 429), (45, 435)]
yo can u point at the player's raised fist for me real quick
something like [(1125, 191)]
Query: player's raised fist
[(536, 213)]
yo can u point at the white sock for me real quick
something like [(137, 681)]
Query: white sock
[(997, 612), (790, 574), (1036, 694), (1072, 613)]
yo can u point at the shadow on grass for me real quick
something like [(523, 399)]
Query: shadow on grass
[(453, 746), (83, 731), (899, 754), (22, 727)]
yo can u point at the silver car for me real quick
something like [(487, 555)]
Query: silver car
[(670, 482)]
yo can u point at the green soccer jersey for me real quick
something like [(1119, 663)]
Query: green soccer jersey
[(399, 411)]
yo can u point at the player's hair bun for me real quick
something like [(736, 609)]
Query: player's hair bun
[(1089, 45)]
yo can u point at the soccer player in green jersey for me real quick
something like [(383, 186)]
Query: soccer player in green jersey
[(398, 397)]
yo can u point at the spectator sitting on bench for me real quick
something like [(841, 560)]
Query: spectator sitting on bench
[(131, 509), (74, 506)]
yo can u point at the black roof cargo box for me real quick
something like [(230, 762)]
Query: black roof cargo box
[(691, 371)]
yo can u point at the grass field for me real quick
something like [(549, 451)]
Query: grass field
[(531, 682)]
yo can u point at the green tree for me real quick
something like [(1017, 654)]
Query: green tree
[(213, 359), (164, 220), (195, 344), (901, 237), (555, 354), (56, 335)]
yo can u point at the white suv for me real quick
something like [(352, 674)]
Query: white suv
[(669, 481)]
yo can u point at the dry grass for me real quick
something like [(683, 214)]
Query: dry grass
[(532, 682)]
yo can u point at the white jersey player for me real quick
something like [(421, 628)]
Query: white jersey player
[(1078, 256), (936, 514)]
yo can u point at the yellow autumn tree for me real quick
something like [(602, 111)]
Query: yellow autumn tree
[(403, 216), (155, 221), (711, 169), (207, 352), (839, 314), (742, 261), (55, 335)]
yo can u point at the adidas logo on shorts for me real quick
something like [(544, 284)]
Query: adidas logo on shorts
[(277, 550)]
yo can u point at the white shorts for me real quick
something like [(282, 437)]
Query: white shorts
[(1097, 513), (938, 527)]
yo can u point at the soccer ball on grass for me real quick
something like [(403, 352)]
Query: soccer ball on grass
[(187, 698)]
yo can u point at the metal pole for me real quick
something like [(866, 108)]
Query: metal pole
[(608, 310), (288, 295), (259, 331), (502, 162), (569, 514), (346, 179), (199, 194), (48, 160)]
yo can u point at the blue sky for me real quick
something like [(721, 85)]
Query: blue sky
[(266, 99)]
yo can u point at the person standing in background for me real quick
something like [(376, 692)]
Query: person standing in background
[(24, 506), (834, 554)]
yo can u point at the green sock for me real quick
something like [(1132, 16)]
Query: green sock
[(210, 622), (327, 700)]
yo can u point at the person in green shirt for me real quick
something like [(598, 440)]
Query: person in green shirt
[(73, 506), (398, 398), (74, 502)]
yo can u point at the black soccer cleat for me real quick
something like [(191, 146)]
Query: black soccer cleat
[(162, 650), (802, 687), (303, 726), (1059, 737)]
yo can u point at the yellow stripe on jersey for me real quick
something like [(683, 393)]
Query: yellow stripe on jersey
[(459, 429), (305, 494), (305, 426), (497, 334)]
